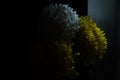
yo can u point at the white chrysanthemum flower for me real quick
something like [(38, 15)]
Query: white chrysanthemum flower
[(61, 19)]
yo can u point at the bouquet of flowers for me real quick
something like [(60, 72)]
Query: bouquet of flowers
[(68, 38)]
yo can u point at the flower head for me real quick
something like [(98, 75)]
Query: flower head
[(91, 40), (60, 20), (62, 59)]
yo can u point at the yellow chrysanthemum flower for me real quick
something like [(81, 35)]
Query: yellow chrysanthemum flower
[(61, 58), (91, 40)]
